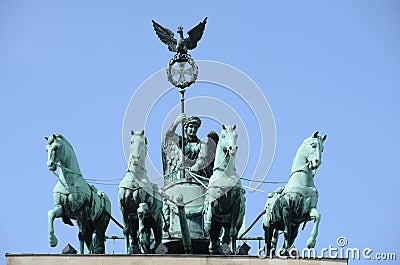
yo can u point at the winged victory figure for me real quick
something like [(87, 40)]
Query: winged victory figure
[(180, 45)]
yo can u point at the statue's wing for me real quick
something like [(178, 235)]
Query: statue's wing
[(212, 142), (171, 155), (195, 35), (166, 36)]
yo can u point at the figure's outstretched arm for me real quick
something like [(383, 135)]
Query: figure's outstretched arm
[(171, 130)]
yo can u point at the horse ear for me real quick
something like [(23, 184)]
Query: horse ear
[(223, 127), (142, 132), (132, 132), (315, 135), (54, 136), (324, 138), (46, 138), (234, 127)]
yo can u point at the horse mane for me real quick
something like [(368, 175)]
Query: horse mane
[(66, 141), (303, 144), (72, 151), (308, 140)]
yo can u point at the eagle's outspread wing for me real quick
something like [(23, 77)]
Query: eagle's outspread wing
[(166, 36), (195, 35)]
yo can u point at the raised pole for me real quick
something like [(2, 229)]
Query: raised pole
[(182, 91)]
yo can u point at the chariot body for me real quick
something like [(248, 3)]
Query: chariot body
[(189, 167)]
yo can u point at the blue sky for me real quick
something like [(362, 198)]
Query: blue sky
[(71, 67)]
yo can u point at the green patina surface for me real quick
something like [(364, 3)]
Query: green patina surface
[(75, 199), (295, 203)]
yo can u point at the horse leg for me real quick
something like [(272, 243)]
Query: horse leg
[(208, 217), (51, 215), (81, 235), (85, 229), (85, 235), (132, 232), (225, 235), (78, 206), (287, 220), (166, 212), (81, 242), (157, 231), (133, 202), (57, 212), (235, 200), (268, 233), (99, 244), (100, 226), (295, 231), (128, 208), (215, 232), (274, 239), (122, 208), (144, 236), (314, 214)]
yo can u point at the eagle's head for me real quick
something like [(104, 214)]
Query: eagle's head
[(180, 30)]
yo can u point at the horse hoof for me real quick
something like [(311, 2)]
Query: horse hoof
[(53, 241), (99, 250), (311, 242), (134, 250)]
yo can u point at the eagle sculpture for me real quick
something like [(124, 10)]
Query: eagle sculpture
[(180, 45)]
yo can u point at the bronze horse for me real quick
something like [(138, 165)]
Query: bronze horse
[(75, 199), (138, 201), (295, 203), (225, 201)]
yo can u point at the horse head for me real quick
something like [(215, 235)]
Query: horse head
[(312, 149), (138, 149), (228, 140), (55, 151)]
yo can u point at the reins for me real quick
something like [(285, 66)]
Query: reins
[(300, 170), (223, 161)]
